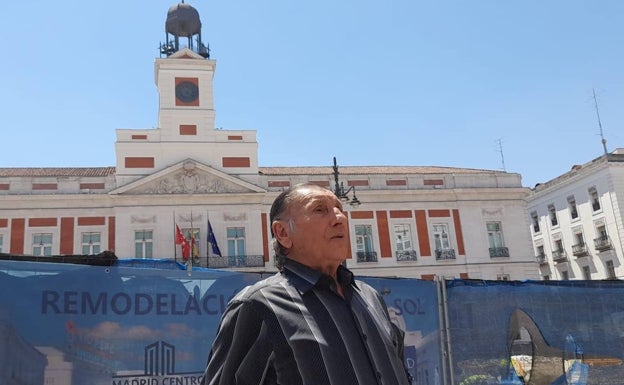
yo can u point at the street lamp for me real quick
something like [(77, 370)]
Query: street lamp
[(340, 191)]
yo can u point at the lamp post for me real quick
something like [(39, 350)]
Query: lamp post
[(340, 191)]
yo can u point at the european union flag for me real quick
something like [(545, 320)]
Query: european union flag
[(212, 241)]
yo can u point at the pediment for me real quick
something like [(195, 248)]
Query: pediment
[(185, 53), (188, 177)]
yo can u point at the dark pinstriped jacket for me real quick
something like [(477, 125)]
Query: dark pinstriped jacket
[(293, 328)]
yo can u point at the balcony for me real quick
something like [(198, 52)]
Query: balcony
[(541, 259), (559, 256), (499, 252), (406, 255), (443, 254), (366, 256), (602, 243), (236, 261), (580, 250)]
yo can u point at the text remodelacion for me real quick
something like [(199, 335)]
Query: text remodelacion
[(104, 303)]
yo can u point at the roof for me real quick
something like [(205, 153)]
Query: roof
[(359, 170), (294, 170), (616, 156), (57, 171)]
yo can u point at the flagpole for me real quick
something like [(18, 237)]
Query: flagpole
[(175, 248), (190, 258)]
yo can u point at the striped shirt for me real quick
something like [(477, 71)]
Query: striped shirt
[(293, 328)]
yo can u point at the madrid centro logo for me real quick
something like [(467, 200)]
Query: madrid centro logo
[(159, 369)]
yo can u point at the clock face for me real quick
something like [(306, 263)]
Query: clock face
[(186, 92)]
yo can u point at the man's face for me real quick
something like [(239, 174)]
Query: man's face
[(318, 233)]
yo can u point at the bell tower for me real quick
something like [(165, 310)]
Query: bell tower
[(184, 77), (186, 130)]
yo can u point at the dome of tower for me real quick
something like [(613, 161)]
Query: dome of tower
[(183, 20)]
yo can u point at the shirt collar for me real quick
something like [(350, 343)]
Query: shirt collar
[(305, 278)]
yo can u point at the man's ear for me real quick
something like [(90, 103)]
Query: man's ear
[(282, 233)]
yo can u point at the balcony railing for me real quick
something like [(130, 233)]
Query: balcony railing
[(541, 259), (236, 261), (366, 256), (499, 252), (559, 256), (580, 250), (406, 255), (602, 243), (442, 254)]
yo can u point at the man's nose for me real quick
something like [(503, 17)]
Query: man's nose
[(339, 215)]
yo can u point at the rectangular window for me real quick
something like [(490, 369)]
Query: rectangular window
[(403, 243), (535, 222), (546, 277), (365, 250), (610, 270), (91, 243), (236, 241), (442, 242), (564, 275), (594, 199), (602, 242), (440, 236), (496, 240), (572, 207), (586, 273), (579, 248), (552, 213), (559, 254), (42, 244), (495, 234), (143, 244), (502, 277), (540, 252)]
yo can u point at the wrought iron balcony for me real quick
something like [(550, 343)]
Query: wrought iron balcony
[(541, 259), (366, 256), (442, 254), (602, 243), (236, 261), (559, 256), (499, 252), (580, 250), (406, 255)]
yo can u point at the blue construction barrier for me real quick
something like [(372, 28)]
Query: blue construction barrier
[(149, 322)]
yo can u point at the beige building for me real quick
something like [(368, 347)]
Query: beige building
[(576, 221), (412, 222)]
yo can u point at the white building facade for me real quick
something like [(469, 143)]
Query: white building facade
[(576, 221), (414, 221)]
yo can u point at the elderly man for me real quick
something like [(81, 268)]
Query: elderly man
[(311, 323)]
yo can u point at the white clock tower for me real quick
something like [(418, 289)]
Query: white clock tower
[(186, 117)]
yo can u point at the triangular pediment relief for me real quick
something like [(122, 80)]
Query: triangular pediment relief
[(188, 177), (185, 53)]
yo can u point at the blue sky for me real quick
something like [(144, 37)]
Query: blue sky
[(394, 82)]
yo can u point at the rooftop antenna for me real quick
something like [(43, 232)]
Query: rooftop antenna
[(500, 149), (603, 140)]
